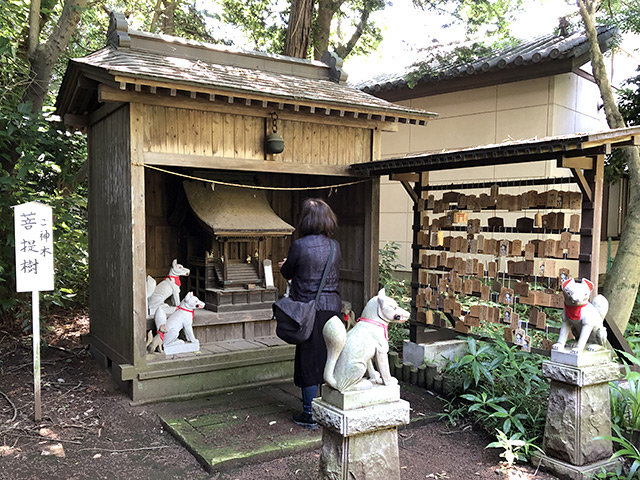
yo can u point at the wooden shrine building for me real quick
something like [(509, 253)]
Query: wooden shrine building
[(164, 113)]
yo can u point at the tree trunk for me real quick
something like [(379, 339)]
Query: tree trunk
[(623, 278), (157, 11), (46, 55), (34, 26), (322, 27), (343, 50), (168, 21), (298, 38)]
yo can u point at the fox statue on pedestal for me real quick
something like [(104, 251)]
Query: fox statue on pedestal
[(584, 319), (350, 355)]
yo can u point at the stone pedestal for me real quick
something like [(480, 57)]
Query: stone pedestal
[(578, 412), (360, 434)]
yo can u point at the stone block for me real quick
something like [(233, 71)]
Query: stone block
[(435, 353), (361, 420), (573, 472), (371, 456), (583, 359), (581, 376), (578, 413), (360, 398)]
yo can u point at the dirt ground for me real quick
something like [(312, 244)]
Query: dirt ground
[(89, 429)]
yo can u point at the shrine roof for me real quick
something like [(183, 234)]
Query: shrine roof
[(142, 62), (228, 211)]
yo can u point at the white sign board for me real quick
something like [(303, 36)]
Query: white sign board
[(34, 247)]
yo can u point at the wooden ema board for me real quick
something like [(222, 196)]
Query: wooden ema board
[(501, 265)]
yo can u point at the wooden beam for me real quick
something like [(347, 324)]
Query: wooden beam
[(582, 183), (582, 163), (227, 163), (405, 177), (619, 343), (412, 193), (104, 111), (109, 94), (393, 116), (598, 189)]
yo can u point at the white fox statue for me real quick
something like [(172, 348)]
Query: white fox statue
[(350, 355), (584, 319)]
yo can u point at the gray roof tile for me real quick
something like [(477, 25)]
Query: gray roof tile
[(542, 49)]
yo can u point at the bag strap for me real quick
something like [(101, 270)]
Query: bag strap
[(325, 271)]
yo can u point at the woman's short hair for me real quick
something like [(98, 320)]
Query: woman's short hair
[(317, 218)]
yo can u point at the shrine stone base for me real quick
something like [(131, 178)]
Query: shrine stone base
[(578, 413), (360, 433)]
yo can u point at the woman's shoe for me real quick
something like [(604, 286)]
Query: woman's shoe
[(305, 420)]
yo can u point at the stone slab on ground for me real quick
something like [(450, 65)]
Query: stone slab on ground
[(231, 429), (212, 428)]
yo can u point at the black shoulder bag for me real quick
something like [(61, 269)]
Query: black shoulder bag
[(295, 320)]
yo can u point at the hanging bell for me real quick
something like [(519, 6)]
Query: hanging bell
[(274, 143)]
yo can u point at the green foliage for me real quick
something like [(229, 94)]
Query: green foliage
[(625, 416), (625, 397), (503, 390), (388, 264), (629, 100), (264, 23), (394, 288), (624, 449), (46, 160), (261, 20), (485, 17), (514, 447), (441, 58)]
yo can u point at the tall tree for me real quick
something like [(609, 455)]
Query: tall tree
[(344, 26), (298, 37), (623, 279), (43, 56)]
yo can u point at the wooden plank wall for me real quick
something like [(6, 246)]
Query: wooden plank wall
[(110, 234), (162, 244), (227, 135)]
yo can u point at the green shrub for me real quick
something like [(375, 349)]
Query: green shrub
[(503, 390)]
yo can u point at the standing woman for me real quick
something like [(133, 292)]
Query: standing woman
[(304, 266)]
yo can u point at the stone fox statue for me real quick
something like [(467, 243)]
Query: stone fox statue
[(350, 355), (582, 318)]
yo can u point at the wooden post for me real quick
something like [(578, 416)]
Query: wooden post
[(35, 322), (138, 235), (591, 224), (421, 188)]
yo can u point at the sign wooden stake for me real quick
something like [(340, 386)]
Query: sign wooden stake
[(34, 271)]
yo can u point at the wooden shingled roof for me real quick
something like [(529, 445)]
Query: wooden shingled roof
[(163, 65)]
